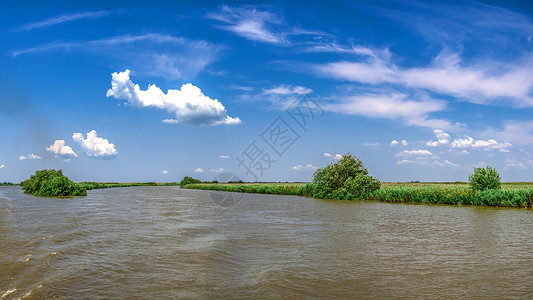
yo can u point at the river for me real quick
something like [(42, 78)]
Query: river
[(167, 243)]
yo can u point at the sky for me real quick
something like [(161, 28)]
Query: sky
[(268, 91)]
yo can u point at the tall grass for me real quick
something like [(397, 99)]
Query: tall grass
[(89, 185), (512, 194)]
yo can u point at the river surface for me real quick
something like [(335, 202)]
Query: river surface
[(167, 243)]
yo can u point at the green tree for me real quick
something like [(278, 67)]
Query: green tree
[(51, 183), (346, 178), (188, 180), (485, 179)]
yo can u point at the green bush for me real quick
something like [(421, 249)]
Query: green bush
[(485, 179), (344, 179), (188, 180), (51, 183)]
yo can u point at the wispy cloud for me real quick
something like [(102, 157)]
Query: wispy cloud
[(184, 58), (252, 23), (304, 167), (29, 156), (393, 106), (482, 82), (65, 18)]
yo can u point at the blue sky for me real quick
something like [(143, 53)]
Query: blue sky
[(133, 91)]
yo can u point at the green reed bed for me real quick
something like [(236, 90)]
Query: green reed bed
[(259, 188), (455, 196), (89, 185), (512, 195)]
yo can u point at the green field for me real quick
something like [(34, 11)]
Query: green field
[(512, 194)]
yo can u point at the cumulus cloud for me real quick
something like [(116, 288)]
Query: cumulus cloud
[(394, 143), (61, 150), (224, 156), (188, 104), (302, 167), (199, 170), (220, 170), (164, 172), (469, 142), (29, 156), (336, 156), (2, 166), (95, 146), (404, 143), (443, 138)]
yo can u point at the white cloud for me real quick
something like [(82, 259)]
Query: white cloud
[(469, 142), (95, 146), (2, 166), (170, 121), (523, 163), (251, 23), (65, 18), (405, 161), (336, 156), (484, 82), (61, 150), (393, 106), (515, 132), (404, 143), (199, 170), (302, 167), (443, 138), (288, 90), (414, 152), (188, 104), (164, 172), (394, 143), (217, 170), (446, 163), (154, 54), (371, 144), (29, 156), (224, 156)]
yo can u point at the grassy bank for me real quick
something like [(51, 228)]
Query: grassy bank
[(89, 185), (513, 194)]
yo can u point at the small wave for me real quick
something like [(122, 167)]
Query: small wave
[(7, 293), (27, 259), (47, 237)]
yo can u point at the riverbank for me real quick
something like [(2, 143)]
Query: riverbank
[(512, 194), (90, 185)]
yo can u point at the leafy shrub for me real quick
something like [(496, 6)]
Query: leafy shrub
[(51, 183), (485, 179), (188, 180), (344, 179)]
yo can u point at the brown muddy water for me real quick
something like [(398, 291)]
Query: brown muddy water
[(167, 243)]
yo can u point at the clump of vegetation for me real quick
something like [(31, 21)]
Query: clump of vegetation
[(7, 183), (188, 180), (51, 183), (345, 179), (485, 179)]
